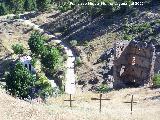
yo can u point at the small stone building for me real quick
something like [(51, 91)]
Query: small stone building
[(135, 63), (26, 61)]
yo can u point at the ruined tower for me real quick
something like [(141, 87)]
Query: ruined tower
[(133, 64)]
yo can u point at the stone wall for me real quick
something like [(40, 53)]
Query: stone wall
[(133, 64)]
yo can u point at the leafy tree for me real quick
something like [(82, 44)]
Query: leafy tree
[(43, 5), (18, 49), (44, 85), (30, 5), (36, 43), (15, 5), (19, 81), (51, 59), (3, 9)]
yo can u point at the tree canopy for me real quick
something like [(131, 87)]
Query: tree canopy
[(36, 43), (19, 81)]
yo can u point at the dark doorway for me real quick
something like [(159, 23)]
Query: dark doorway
[(30, 67), (131, 84), (26, 66)]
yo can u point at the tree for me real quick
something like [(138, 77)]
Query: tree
[(30, 5), (18, 49), (15, 5), (51, 59), (43, 5), (44, 85), (19, 81), (3, 9), (36, 43)]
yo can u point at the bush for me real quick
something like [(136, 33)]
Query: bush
[(78, 61), (3, 9), (36, 43), (18, 49), (156, 80), (139, 28), (33, 61), (127, 37), (19, 81), (44, 85), (51, 59), (17, 16), (102, 88), (64, 7), (73, 42)]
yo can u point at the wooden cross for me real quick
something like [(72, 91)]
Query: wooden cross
[(70, 100), (100, 99), (131, 103)]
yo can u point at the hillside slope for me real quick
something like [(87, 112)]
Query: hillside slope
[(94, 37), (146, 108)]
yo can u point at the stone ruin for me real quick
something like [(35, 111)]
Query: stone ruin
[(135, 64)]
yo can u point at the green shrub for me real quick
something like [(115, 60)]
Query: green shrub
[(17, 16), (18, 49), (126, 28), (73, 42), (19, 81), (157, 21), (143, 27), (36, 43), (103, 88), (156, 80), (44, 85), (3, 9), (33, 61), (51, 59), (78, 61), (140, 28), (127, 37), (64, 7)]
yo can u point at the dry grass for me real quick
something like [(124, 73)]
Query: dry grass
[(12, 32), (83, 108)]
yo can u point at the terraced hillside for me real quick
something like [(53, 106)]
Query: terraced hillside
[(92, 37)]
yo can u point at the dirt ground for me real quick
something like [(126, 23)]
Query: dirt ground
[(12, 32), (146, 108)]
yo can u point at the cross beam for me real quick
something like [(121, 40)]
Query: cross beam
[(70, 100), (132, 101), (100, 100)]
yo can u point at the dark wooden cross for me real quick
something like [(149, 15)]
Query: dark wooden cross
[(131, 103), (70, 100), (100, 99)]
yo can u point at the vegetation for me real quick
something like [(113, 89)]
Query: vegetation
[(3, 9), (30, 5), (102, 88), (127, 37), (18, 49), (78, 61), (33, 61), (16, 6), (44, 85), (19, 81), (73, 42), (51, 59), (36, 43), (156, 80)]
